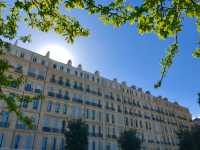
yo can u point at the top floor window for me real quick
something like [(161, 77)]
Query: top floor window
[(76, 73), (34, 59), (43, 62), (61, 67), (22, 55), (68, 70), (54, 66)]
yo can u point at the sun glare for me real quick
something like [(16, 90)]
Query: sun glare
[(57, 53)]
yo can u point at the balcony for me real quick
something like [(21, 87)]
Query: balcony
[(4, 124), (51, 94), (13, 85), (99, 94), (39, 91), (93, 104), (48, 129), (40, 77), (20, 126), (88, 90), (67, 84), (31, 74), (66, 97), (114, 136), (59, 96), (52, 80), (28, 88), (60, 82), (77, 100), (19, 70), (55, 130)]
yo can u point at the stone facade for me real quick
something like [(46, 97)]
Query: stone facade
[(107, 106)]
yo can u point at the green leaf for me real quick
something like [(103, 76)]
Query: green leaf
[(196, 53), (26, 38)]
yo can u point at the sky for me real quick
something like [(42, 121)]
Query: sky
[(124, 54)]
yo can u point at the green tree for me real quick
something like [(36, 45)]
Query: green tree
[(128, 140), (189, 139), (15, 100), (76, 135), (162, 17)]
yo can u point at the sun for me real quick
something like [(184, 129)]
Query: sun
[(57, 53)]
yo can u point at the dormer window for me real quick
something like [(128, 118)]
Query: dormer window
[(22, 55), (76, 73), (93, 79), (43, 62), (34, 59), (68, 70), (81, 75), (54, 66), (87, 76), (61, 67), (98, 80)]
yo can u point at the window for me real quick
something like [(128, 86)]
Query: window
[(68, 70), (99, 130), (28, 87), (81, 75), (93, 114), (49, 106), (5, 116), (76, 73), (25, 104), (35, 104), (65, 108), (18, 68), (1, 139), (57, 108), (141, 124), (61, 67), (43, 62), (22, 55), (34, 59), (126, 121), (93, 78), (54, 66), (99, 116), (107, 117), (93, 129), (93, 145), (54, 144), (113, 119), (62, 145), (87, 113), (108, 147), (44, 143), (29, 141), (17, 142), (113, 131)]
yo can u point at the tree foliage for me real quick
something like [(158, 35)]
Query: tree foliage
[(128, 140), (189, 140), (14, 100), (76, 135)]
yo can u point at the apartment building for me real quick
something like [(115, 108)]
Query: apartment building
[(196, 122), (107, 106)]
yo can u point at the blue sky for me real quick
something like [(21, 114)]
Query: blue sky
[(123, 54)]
